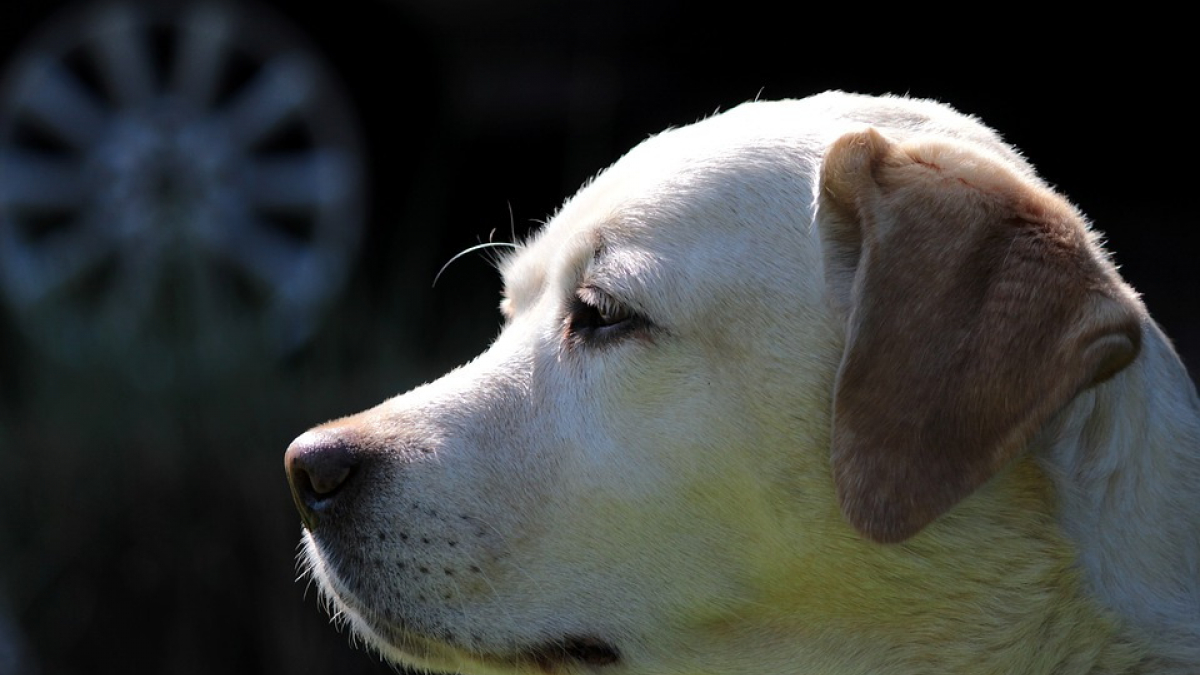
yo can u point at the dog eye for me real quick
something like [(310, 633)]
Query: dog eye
[(594, 316)]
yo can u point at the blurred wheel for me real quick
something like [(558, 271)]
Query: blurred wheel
[(180, 185)]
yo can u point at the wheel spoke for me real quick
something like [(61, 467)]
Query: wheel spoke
[(124, 57), (282, 86), (277, 264), (217, 309), (306, 182), (129, 299), (52, 98), (36, 272), (40, 182), (201, 53)]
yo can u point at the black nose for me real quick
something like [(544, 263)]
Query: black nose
[(319, 465)]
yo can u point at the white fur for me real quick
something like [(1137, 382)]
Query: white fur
[(669, 493), (1124, 458)]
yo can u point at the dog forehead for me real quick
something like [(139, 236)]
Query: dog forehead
[(721, 183), (682, 186)]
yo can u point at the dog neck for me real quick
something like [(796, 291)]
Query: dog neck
[(1125, 458)]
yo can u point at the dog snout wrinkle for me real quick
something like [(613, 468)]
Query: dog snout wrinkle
[(319, 463)]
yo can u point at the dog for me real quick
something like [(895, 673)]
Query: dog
[(827, 386)]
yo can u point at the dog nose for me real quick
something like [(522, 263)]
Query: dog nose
[(318, 465)]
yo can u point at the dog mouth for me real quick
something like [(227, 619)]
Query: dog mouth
[(562, 656), (585, 650)]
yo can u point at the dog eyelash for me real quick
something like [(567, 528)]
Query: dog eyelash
[(594, 317)]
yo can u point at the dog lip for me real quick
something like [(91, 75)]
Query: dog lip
[(550, 658), (587, 650)]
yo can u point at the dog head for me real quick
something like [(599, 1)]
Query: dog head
[(731, 366)]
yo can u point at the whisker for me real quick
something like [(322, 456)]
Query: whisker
[(512, 224), (477, 247)]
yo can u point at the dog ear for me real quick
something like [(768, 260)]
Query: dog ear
[(977, 304)]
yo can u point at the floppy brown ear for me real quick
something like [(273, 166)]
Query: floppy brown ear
[(977, 304)]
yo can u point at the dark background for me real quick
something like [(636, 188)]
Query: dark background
[(151, 530)]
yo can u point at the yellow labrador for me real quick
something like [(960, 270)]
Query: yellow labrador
[(828, 386)]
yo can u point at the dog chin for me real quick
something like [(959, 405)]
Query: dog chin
[(403, 646), (393, 643)]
